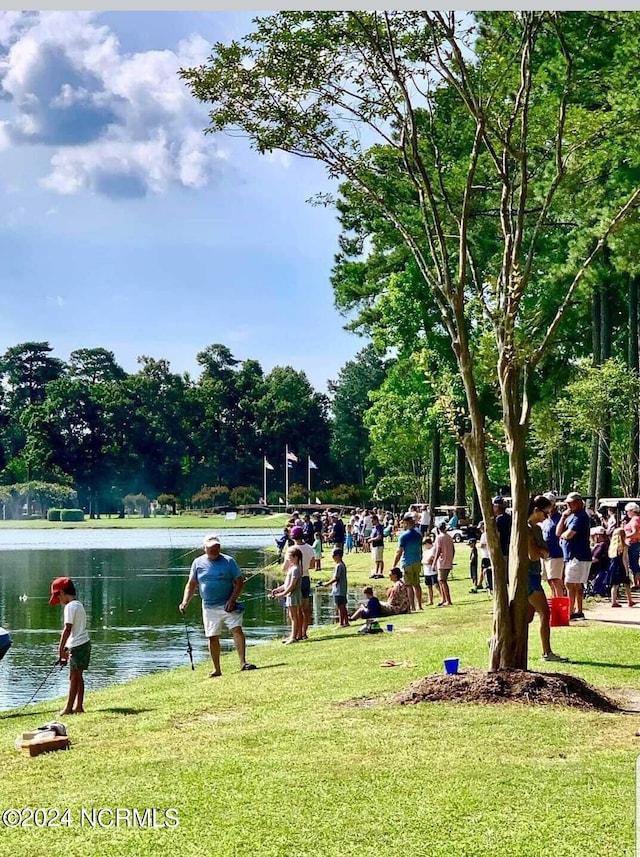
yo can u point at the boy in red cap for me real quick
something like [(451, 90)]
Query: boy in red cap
[(75, 645)]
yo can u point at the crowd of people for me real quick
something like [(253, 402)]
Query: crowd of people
[(571, 550)]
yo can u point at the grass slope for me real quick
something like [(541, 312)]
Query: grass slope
[(278, 762)]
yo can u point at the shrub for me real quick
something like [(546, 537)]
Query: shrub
[(71, 515), (54, 514)]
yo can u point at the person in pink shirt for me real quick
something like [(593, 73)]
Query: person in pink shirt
[(444, 552)]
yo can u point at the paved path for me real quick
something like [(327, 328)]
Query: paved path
[(603, 612)]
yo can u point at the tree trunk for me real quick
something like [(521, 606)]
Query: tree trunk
[(603, 482), (460, 498), (633, 363), (434, 492), (596, 349)]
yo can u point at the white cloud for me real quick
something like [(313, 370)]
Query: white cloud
[(121, 125)]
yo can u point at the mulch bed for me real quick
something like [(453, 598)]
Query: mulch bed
[(514, 686)]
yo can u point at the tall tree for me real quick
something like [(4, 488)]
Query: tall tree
[(350, 400), (540, 130)]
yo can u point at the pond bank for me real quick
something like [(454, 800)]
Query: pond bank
[(279, 762)]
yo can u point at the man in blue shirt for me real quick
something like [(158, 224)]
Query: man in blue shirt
[(409, 558), (220, 581), (573, 529)]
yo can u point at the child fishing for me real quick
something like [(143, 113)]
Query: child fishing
[(74, 646)]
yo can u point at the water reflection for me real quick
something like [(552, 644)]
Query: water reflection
[(131, 596)]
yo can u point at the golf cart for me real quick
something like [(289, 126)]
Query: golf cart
[(463, 531)]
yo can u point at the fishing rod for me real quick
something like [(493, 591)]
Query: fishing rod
[(189, 646), (56, 663)]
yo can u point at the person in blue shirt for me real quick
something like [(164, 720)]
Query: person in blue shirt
[(339, 587), (574, 530), (220, 581), (553, 564), (5, 642), (370, 610), (409, 558)]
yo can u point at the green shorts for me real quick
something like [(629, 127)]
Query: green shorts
[(79, 656), (411, 574)]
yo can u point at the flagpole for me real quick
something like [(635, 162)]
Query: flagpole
[(264, 479), (286, 476), (309, 479)]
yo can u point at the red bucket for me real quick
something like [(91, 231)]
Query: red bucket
[(559, 612)]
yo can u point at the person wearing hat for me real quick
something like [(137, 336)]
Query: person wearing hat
[(338, 531), (553, 564), (220, 581), (632, 539), (573, 530), (409, 559), (74, 646), (308, 556)]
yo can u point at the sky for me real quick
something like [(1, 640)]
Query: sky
[(123, 226)]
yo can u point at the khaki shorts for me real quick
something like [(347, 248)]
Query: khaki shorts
[(552, 568), (377, 553), (411, 574), (577, 571), (443, 574), (215, 618)]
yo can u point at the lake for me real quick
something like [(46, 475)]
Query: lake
[(130, 582)]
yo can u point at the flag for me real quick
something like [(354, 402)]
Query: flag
[(312, 466), (291, 457), (281, 501), (267, 465), (289, 464), (318, 500)]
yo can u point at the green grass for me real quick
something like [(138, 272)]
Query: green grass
[(277, 762)]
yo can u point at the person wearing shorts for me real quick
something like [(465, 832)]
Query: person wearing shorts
[(430, 577), (305, 584), (573, 530), (444, 553), (220, 582), (409, 559), (291, 591), (553, 564), (377, 546), (339, 590), (539, 508), (74, 646)]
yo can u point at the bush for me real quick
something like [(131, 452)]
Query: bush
[(71, 515), (54, 514)]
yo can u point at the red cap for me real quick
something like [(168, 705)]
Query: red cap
[(57, 586)]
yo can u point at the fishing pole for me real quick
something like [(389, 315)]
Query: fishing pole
[(40, 686), (189, 646)]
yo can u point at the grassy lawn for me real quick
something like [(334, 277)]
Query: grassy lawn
[(278, 762)]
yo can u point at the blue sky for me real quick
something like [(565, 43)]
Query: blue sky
[(122, 226)]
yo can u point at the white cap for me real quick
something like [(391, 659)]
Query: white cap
[(208, 541)]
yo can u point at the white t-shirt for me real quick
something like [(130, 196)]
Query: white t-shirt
[(74, 615), (307, 555), (484, 546), (425, 518)]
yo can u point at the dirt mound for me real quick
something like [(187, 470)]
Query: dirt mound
[(515, 686)]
